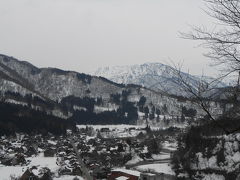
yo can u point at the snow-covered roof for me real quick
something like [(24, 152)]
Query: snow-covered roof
[(149, 174), (127, 171), (122, 178)]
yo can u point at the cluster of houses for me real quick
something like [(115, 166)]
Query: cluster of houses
[(100, 155)]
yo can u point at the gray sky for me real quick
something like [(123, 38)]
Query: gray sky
[(82, 35)]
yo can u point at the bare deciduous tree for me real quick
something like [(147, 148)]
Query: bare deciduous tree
[(223, 44)]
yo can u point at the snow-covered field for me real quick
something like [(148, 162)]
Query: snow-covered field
[(156, 168), (135, 159), (121, 127), (161, 156), (112, 127), (159, 163), (7, 171), (170, 146), (38, 161), (127, 171), (117, 131)]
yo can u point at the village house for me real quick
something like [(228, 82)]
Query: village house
[(49, 152), (124, 174), (156, 176), (27, 175)]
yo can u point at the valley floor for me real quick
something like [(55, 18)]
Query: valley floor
[(103, 150)]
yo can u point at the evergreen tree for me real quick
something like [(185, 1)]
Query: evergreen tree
[(141, 103), (158, 113), (146, 111), (165, 109)]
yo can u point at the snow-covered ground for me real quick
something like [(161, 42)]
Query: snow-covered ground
[(219, 161), (156, 168), (7, 171), (135, 159), (155, 157), (159, 163), (229, 144), (154, 124), (213, 177), (170, 146), (67, 177), (39, 161), (121, 127), (127, 171), (117, 131), (161, 156), (112, 127)]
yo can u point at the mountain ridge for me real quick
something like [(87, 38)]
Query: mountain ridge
[(81, 97), (152, 75)]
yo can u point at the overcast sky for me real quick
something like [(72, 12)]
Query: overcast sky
[(82, 35)]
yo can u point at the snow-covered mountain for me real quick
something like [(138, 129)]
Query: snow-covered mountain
[(156, 76), (65, 94)]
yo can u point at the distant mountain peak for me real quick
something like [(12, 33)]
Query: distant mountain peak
[(154, 75)]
